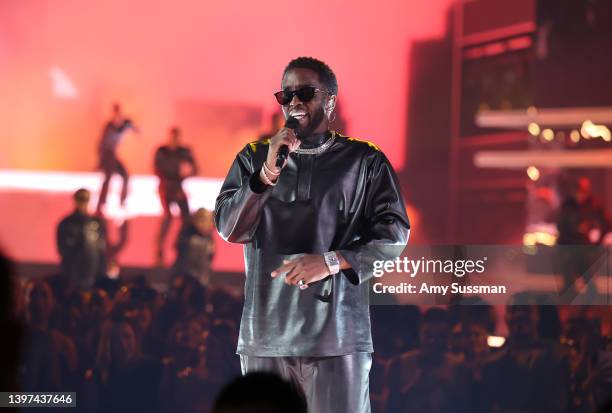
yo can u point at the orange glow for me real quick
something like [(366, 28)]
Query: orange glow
[(208, 67), (212, 57)]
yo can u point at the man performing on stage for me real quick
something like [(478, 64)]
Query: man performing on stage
[(107, 151), (311, 229), (82, 244), (173, 163)]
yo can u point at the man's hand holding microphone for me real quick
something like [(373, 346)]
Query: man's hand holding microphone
[(281, 145)]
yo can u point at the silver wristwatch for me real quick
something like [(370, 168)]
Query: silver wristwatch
[(332, 262)]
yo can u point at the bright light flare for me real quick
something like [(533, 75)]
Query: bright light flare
[(591, 130), (495, 341), (61, 84), (542, 238), (533, 173), (548, 135), (575, 136), (143, 199), (534, 129)]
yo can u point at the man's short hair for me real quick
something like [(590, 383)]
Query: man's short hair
[(326, 75), (81, 195)]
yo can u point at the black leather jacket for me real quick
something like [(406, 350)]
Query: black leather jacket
[(81, 243), (346, 199)]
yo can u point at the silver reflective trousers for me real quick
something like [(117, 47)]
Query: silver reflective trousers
[(337, 384)]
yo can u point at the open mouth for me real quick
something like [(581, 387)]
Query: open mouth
[(298, 114)]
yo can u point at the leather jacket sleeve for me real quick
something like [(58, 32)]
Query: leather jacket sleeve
[(240, 203), (385, 228)]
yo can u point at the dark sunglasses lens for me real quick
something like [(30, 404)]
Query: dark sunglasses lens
[(283, 97), (305, 94)]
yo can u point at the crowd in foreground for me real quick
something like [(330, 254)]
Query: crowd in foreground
[(125, 346)]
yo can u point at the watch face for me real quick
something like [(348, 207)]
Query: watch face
[(331, 260)]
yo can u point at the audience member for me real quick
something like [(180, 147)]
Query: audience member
[(260, 393)]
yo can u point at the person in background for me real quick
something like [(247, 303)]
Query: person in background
[(112, 134), (195, 247), (173, 163), (430, 378), (51, 357), (81, 243), (10, 325), (129, 381), (522, 377), (582, 224), (260, 392)]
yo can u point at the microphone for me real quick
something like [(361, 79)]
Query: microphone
[(283, 152)]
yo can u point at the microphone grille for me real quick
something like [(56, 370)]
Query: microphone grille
[(292, 123)]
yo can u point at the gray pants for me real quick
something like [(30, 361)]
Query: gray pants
[(338, 384)]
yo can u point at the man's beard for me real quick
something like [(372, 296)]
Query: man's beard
[(315, 121)]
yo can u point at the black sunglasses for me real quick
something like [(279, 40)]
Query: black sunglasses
[(304, 94)]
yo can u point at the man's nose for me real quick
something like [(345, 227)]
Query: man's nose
[(295, 100)]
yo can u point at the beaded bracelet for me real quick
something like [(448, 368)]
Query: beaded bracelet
[(265, 178), (270, 170)]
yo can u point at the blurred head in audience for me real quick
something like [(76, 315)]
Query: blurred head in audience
[(549, 324), (124, 347), (119, 347), (260, 393), (81, 200), (218, 354), (522, 321), (188, 342), (203, 220), (69, 316), (137, 313), (40, 303), (470, 339), (434, 333), (98, 305)]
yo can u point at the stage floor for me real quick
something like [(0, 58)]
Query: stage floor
[(33, 203)]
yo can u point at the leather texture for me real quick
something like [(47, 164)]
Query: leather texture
[(331, 384), (345, 199)]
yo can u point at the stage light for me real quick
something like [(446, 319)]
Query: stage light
[(575, 136), (495, 341), (586, 128), (539, 237), (533, 173), (548, 135), (143, 198), (591, 130), (61, 84), (534, 129), (529, 239), (604, 132)]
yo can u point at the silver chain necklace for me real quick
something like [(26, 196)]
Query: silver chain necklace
[(318, 149)]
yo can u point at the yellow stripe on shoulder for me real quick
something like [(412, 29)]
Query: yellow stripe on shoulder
[(370, 144), (254, 144)]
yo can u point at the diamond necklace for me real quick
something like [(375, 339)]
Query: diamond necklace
[(318, 149)]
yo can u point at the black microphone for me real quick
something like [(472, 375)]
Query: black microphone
[(283, 152)]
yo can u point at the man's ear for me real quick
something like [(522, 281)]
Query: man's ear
[(331, 104)]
